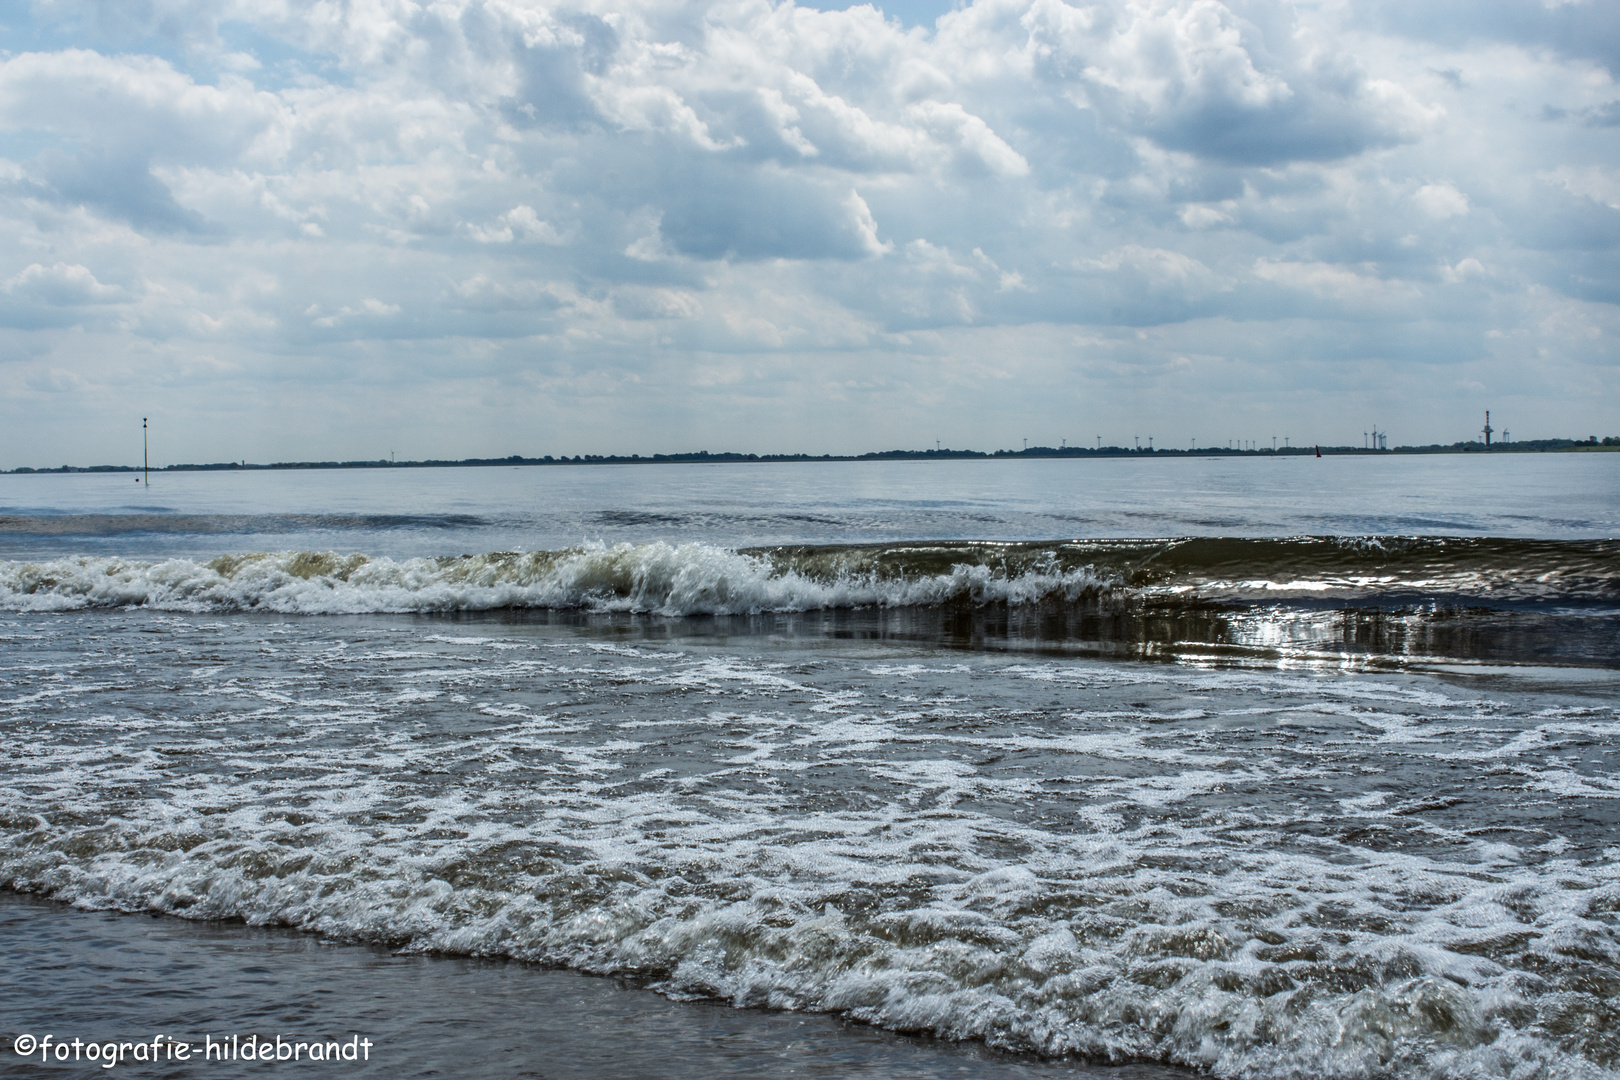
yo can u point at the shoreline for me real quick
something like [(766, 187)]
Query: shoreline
[(436, 1013), (1538, 446)]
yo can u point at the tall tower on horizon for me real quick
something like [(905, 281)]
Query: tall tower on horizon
[(1487, 429)]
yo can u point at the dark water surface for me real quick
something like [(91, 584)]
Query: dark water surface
[(427, 512)]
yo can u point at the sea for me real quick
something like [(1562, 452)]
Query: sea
[(1136, 767)]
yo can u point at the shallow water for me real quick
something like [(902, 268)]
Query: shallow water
[(1283, 871), (98, 976), (1262, 806)]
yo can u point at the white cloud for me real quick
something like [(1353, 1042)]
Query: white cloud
[(1157, 268), (518, 224), (866, 226), (1334, 282), (1204, 217), (60, 285), (369, 308), (579, 194), (952, 123), (135, 102), (1593, 182), (654, 109), (1441, 201)]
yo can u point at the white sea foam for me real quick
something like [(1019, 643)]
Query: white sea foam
[(1137, 862), (661, 578)]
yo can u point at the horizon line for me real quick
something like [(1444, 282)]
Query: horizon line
[(734, 457)]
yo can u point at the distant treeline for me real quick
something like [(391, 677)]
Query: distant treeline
[(1526, 446)]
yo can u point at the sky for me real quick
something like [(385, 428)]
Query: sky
[(292, 230)]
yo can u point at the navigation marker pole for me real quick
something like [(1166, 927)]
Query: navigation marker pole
[(146, 454)]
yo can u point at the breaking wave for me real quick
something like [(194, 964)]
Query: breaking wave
[(703, 579), (686, 579)]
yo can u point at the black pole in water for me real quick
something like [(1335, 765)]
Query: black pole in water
[(146, 456)]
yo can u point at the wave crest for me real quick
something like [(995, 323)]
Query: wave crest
[(658, 578), (703, 579)]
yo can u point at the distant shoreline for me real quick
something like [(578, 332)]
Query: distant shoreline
[(1538, 446)]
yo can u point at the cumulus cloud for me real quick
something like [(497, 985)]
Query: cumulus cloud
[(1238, 82), (520, 223), (60, 285), (950, 123), (1593, 182), (60, 295), (579, 201), (1441, 200), (1356, 288)]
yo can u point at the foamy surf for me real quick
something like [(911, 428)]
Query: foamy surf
[(1263, 875)]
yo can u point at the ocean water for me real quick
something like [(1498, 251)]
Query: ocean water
[(1259, 768)]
